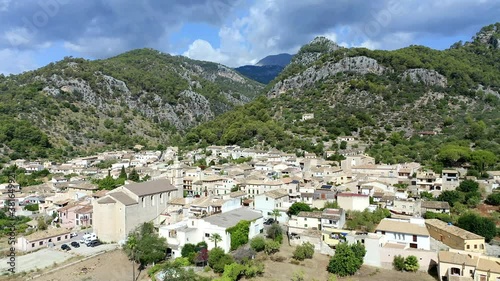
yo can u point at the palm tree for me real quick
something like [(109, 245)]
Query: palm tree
[(215, 238), (276, 213)]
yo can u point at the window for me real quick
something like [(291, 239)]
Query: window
[(468, 246), (475, 246), (32, 245), (383, 232), (207, 234), (65, 236), (305, 219), (59, 238), (482, 247), (305, 225), (40, 243), (414, 238)]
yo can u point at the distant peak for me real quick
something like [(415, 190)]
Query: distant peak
[(282, 59)]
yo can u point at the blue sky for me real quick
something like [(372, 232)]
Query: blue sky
[(34, 33)]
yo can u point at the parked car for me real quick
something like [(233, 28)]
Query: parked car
[(94, 243), (75, 244), (74, 234), (65, 247), (269, 221)]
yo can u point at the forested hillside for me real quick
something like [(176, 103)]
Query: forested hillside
[(384, 98), (140, 97)]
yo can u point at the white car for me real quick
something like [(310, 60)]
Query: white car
[(74, 234)]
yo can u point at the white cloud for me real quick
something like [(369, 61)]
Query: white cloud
[(203, 50), (16, 61)]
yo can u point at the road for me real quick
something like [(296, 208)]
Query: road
[(46, 257)]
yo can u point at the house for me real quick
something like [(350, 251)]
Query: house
[(307, 116), (455, 237), (450, 179), (195, 230), (435, 207), (467, 267), (405, 207), (305, 220), (353, 201), (381, 253), (41, 239), (121, 210), (332, 222), (411, 234), (276, 199)]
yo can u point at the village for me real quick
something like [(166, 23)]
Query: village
[(192, 196)]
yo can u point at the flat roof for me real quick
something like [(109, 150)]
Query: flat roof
[(231, 218)]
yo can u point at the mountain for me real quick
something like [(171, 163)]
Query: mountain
[(386, 99), (262, 74), (280, 59), (266, 69), (139, 97)]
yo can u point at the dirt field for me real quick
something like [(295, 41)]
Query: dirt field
[(315, 269), (106, 267)]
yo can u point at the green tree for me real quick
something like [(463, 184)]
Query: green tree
[(344, 262), (276, 214), (123, 173), (451, 196), (468, 186), (217, 259), (275, 232), (134, 175), (298, 207), (483, 159), (215, 238), (480, 225), (42, 224), (144, 246)]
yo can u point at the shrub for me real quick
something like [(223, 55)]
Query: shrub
[(296, 262), (271, 247), (278, 258), (398, 263), (182, 261), (258, 244), (411, 263), (304, 251), (217, 259), (493, 199)]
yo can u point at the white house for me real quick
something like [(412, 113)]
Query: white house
[(271, 200), (353, 201), (197, 230), (412, 233)]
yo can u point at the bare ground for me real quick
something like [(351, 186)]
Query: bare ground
[(109, 266), (315, 269)]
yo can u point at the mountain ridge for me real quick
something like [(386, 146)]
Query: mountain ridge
[(139, 97)]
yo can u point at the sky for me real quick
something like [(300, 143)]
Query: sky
[(34, 33)]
